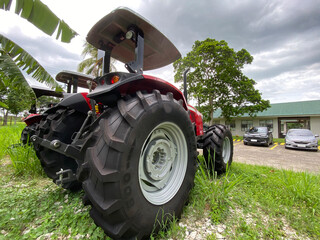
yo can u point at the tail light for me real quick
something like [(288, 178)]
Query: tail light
[(114, 79)]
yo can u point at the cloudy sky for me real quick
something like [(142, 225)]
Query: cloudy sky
[(282, 36)]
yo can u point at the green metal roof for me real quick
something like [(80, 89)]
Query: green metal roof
[(286, 109)]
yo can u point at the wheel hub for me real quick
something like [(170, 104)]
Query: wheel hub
[(159, 157), (226, 150), (163, 163)]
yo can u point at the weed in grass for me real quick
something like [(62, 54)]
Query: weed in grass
[(23, 157), (24, 160), (303, 187), (166, 227), (211, 237), (214, 191)]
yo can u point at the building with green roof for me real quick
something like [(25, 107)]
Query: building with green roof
[(280, 117)]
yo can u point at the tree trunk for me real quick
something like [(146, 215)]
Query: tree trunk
[(211, 119), (5, 118), (211, 111)]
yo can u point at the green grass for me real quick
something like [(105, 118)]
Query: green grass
[(31, 205), (9, 135), (276, 199), (237, 137), (253, 202), (24, 160), (35, 207), (279, 140), (23, 157), (248, 202)]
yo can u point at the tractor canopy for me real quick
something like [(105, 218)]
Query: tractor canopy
[(118, 34)]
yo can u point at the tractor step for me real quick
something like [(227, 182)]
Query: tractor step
[(65, 176)]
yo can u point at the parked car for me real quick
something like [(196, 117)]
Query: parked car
[(258, 136), (301, 139)]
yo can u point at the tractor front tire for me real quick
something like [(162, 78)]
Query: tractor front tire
[(60, 125), (218, 148), (142, 162)]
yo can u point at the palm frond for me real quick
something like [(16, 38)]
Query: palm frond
[(85, 64), (89, 50), (92, 65), (9, 68), (90, 71), (42, 17), (13, 53)]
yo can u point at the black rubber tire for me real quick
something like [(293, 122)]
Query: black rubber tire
[(60, 125), (213, 144), (245, 143), (27, 132), (113, 186)]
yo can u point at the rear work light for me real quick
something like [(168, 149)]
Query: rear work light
[(114, 79)]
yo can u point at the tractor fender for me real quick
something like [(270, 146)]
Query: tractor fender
[(196, 118), (77, 101), (32, 118), (113, 86)]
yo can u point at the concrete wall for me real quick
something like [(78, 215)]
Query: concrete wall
[(315, 125), (239, 132)]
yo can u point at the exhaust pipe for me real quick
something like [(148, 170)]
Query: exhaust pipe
[(185, 92)]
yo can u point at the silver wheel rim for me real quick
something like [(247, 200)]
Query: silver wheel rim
[(163, 163), (226, 150)]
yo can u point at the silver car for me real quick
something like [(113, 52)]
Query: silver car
[(301, 139)]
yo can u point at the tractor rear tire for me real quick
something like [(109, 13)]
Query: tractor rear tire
[(60, 125), (218, 148), (142, 163), (27, 132)]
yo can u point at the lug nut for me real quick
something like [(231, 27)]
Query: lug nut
[(55, 143)]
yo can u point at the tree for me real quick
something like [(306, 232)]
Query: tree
[(13, 57), (14, 98), (216, 80), (92, 65), (44, 101)]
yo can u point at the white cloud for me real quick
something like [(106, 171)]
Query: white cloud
[(283, 36)]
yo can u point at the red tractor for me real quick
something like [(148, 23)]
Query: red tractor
[(131, 142)]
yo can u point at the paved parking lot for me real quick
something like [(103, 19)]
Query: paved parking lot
[(277, 156)]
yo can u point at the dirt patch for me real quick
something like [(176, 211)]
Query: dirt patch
[(5, 161)]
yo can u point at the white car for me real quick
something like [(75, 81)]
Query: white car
[(301, 139)]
